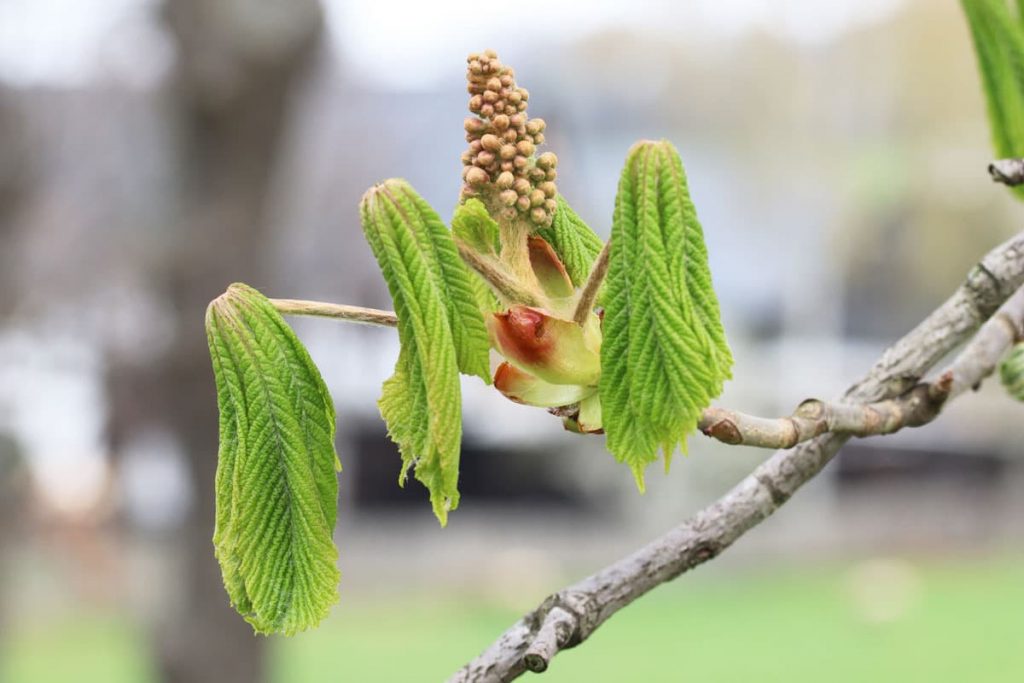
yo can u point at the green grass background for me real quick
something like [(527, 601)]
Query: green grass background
[(963, 623)]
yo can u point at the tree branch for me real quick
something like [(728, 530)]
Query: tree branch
[(918, 406), (1007, 171), (593, 600), (355, 314)]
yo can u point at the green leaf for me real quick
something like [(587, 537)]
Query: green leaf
[(1011, 372), (441, 331), (276, 487), (574, 242), (999, 46), (664, 355), (473, 225)]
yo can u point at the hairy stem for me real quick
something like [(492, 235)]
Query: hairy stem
[(355, 314), (593, 286)]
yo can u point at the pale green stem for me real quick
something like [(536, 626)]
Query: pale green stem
[(355, 314)]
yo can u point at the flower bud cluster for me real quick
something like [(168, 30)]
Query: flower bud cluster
[(502, 141)]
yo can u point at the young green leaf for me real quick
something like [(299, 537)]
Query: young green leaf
[(999, 45), (276, 487), (441, 330), (574, 242), (474, 226), (664, 354)]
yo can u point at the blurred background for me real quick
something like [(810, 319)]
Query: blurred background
[(154, 151)]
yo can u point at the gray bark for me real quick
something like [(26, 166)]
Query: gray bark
[(531, 642)]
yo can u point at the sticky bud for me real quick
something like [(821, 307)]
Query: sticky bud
[(554, 350)]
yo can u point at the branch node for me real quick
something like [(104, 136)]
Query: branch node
[(1007, 171), (555, 633)]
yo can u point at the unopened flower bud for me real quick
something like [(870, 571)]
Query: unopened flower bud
[(525, 147), (521, 186), (505, 180), (547, 160), (500, 123), (537, 198), (523, 203), (484, 159), (476, 175), (539, 216), (548, 188), (508, 152), (490, 142), (508, 197)]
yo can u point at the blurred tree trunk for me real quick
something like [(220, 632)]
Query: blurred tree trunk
[(15, 176), (239, 62)]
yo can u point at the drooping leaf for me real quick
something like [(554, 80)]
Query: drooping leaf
[(1011, 372), (276, 487), (664, 354), (441, 331), (574, 242), (999, 46)]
